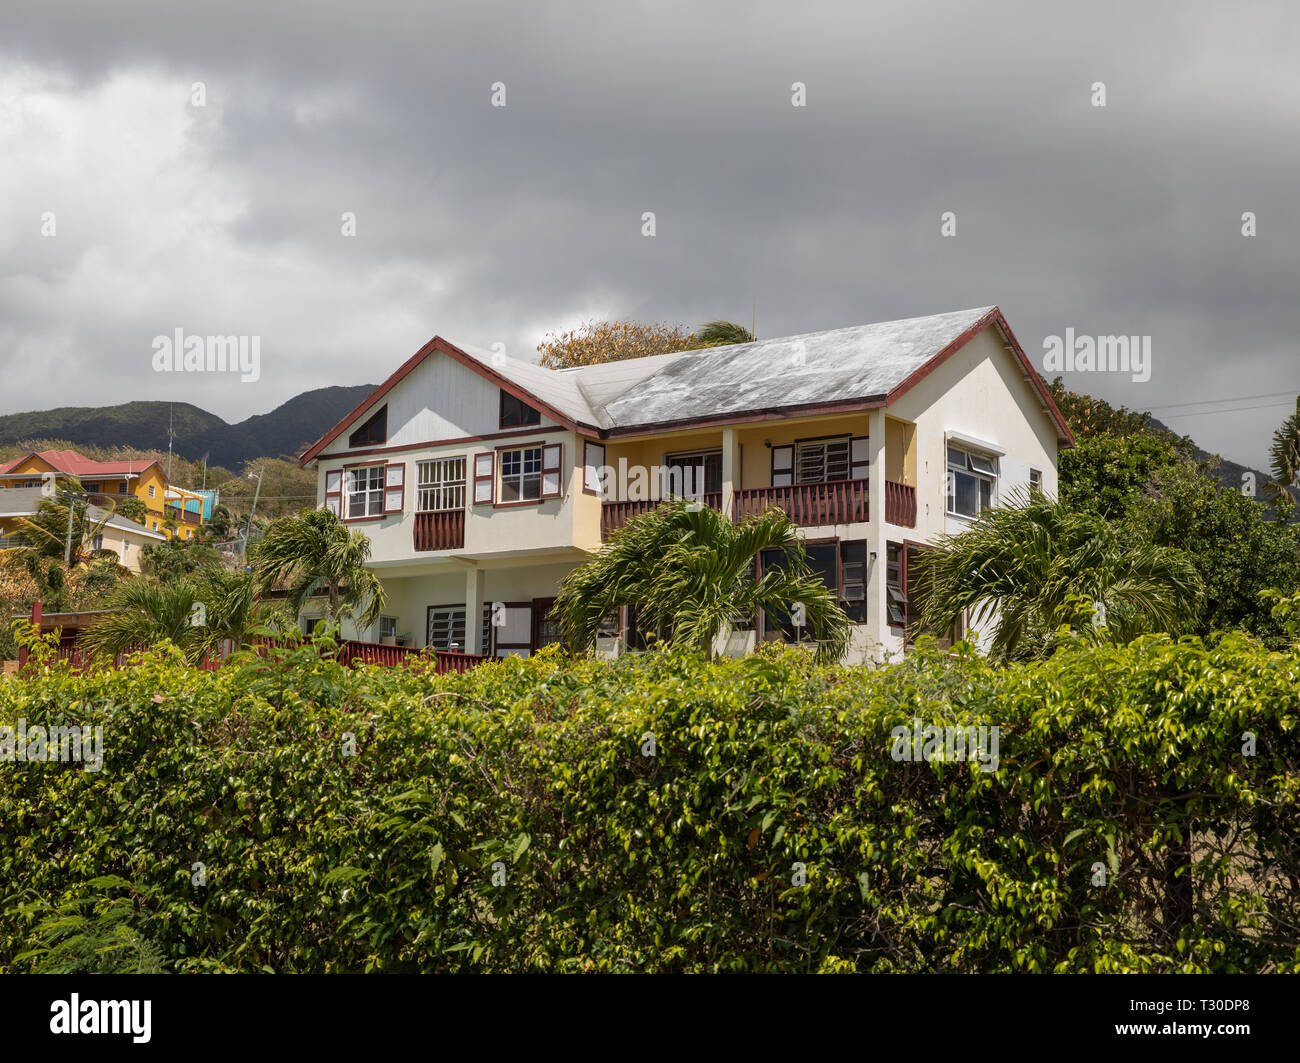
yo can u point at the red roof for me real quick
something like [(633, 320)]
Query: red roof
[(75, 464)]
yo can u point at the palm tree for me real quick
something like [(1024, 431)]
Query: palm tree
[(313, 551), (720, 334), (1285, 455), (46, 531), (144, 612), (1035, 565), (689, 571)]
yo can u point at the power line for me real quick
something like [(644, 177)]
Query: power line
[(1235, 398), (1238, 409)]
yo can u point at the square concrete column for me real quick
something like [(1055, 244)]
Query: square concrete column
[(877, 603), (730, 470), (473, 611)]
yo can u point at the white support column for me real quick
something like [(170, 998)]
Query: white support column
[(473, 611), (730, 470), (877, 604)]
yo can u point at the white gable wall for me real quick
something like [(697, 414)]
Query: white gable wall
[(438, 399)]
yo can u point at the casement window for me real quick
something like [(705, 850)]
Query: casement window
[(593, 460), (853, 579), (373, 432), (123, 487), (334, 492), (972, 481), (690, 475), (441, 485), (521, 474), (387, 627), (516, 413), (547, 629), (366, 491), (447, 628), (895, 592), (1035, 479), (97, 542), (779, 622), (530, 473), (815, 461)]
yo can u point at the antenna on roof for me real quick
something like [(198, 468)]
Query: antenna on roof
[(170, 407), (753, 325)]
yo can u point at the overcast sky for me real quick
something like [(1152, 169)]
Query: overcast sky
[(490, 224)]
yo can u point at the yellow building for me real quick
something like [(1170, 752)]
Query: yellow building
[(108, 483)]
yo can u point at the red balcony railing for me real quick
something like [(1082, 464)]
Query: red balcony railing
[(808, 505), (444, 530), (900, 504), (613, 515)]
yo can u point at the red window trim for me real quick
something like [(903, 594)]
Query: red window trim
[(336, 495), (401, 488), (360, 520), (490, 478), (559, 470), (585, 444)]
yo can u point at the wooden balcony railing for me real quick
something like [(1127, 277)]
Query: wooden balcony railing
[(444, 530), (182, 515), (900, 504), (808, 505), (613, 515)]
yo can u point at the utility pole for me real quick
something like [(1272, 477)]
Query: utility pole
[(248, 530), (67, 546)]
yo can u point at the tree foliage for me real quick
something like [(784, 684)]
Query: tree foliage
[(315, 551), (689, 572), (1034, 565), (508, 819)]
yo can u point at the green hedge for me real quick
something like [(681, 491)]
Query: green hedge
[(1123, 830)]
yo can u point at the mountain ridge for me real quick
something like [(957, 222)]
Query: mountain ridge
[(284, 431)]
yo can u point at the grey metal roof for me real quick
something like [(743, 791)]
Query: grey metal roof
[(862, 362), (24, 501), (839, 365)]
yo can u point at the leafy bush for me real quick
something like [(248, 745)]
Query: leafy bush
[(1123, 829)]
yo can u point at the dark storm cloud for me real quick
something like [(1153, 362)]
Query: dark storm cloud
[(488, 224)]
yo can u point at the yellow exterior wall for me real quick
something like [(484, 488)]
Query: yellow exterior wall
[(140, 488)]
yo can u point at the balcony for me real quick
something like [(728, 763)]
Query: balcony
[(834, 502), (900, 504), (613, 515), (808, 505), (182, 515), (442, 530)]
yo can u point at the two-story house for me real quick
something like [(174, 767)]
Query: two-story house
[(482, 480), (107, 483)]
